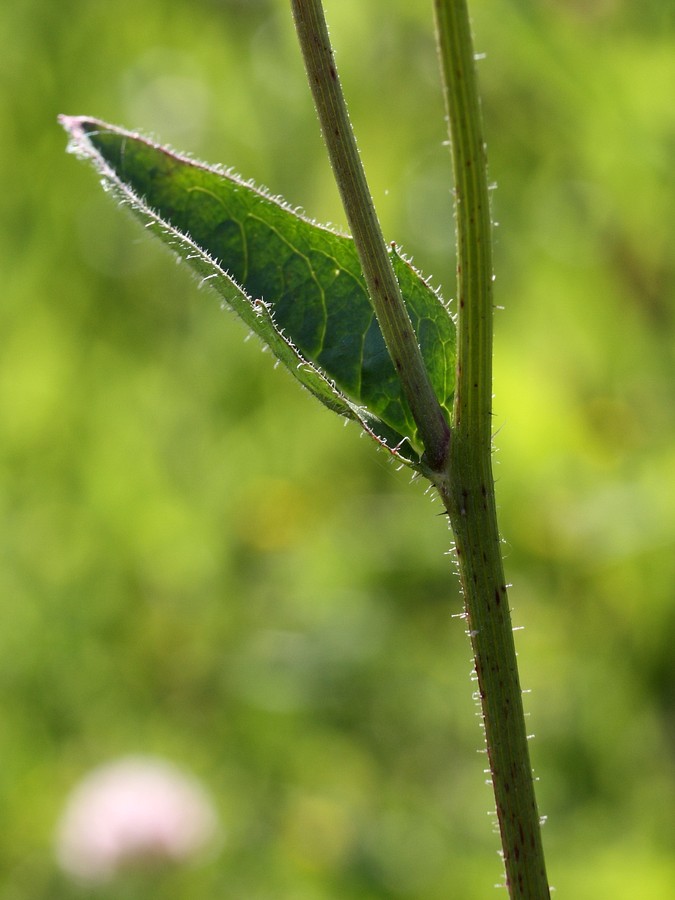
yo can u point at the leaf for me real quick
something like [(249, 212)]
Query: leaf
[(296, 284)]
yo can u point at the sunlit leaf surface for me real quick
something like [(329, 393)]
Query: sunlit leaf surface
[(298, 285)]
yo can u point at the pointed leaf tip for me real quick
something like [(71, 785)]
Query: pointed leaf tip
[(316, 315)]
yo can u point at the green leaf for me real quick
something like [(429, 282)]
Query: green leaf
[(296, 284)]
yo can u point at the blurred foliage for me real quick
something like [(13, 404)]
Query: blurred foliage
[(197, 561)]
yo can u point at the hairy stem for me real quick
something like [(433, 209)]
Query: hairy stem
[(375, 261), (468, 488)]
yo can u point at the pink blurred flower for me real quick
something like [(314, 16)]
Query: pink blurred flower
[(133, 810)]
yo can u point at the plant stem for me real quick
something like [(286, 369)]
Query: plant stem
[(383, 288), (468, 489), (461, 468)]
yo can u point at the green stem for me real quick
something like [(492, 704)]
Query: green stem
[(468, 487), (375, 261)]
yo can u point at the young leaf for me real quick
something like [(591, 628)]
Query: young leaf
[(296, 284)]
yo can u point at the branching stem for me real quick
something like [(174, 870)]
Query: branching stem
[(382, 285), (460, 467)]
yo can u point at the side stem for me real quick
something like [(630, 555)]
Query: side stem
[(383, 287), (468, 487)]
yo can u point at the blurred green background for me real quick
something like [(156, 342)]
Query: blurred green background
[(198, 561)]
